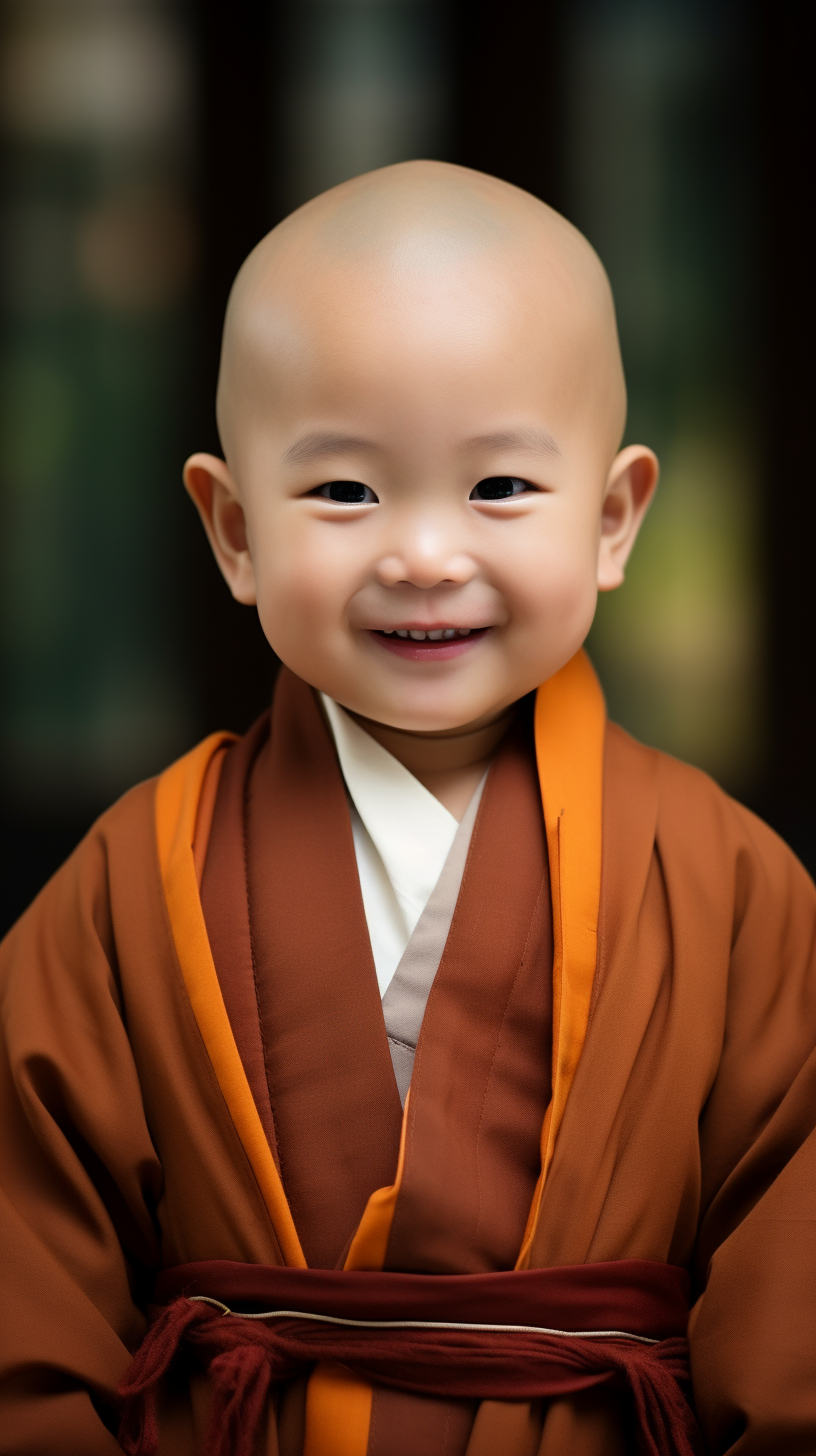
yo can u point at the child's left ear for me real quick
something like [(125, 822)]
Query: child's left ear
[(629, 489)]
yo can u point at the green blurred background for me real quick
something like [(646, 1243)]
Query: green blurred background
[(146, 146)]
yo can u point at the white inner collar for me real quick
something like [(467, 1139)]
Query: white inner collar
[(411, 831)]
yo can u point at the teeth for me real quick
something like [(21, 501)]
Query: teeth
[(439, 634)]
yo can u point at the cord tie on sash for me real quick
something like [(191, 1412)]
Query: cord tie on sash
[(244, 1355), (240, 1365)]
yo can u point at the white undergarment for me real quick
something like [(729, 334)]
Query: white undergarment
[(402, 837)]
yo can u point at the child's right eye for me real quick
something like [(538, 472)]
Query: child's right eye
[(346, 492)]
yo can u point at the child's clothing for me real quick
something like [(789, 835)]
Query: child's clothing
[(411, 855), (199, 1064)]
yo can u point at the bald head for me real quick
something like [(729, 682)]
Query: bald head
[(420, 402), (405, 245)]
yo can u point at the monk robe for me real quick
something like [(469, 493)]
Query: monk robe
[(205, 1073)]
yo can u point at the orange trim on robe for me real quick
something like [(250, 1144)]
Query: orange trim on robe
[(338, 1404), (570, 720), (570, 725), (369, 1246), (178, 792), (338, 1413)]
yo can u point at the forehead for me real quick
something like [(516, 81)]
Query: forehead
[(443, 323), (453, 321)]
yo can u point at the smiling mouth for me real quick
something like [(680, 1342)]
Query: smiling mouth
[(423, 645)]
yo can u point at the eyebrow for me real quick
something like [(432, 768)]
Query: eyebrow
[(325, 442), (525, 438), (319, 443)]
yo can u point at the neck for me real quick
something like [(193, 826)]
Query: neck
[(450, 764)]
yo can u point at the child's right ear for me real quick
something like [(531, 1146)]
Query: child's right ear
[(208, 480)]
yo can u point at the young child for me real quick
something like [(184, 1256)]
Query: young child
[(434, 973)]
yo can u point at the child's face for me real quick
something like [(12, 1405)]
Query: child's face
[(422, 456)]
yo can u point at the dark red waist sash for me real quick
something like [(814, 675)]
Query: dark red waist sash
[(514, 1335)]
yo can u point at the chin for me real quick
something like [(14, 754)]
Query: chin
[(438, 717)]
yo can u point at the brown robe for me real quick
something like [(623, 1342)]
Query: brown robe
[(687, 1134), (308, 995)]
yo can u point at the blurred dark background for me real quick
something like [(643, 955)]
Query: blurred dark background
[(146, 147)]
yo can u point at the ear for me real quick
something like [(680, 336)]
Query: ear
[(629, 489), (209, 482)]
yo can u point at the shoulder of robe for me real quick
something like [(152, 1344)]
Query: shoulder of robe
[(697, 820)]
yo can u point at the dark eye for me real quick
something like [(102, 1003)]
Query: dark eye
[(347, 492), (498, 487)]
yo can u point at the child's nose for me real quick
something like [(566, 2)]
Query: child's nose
[(424, 553)]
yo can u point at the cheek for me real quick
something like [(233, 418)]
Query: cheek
[(551, 577), (305, 578)]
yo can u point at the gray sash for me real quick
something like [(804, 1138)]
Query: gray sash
[(406, 998)]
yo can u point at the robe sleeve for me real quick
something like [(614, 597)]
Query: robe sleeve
[(753, 1330), (79, 1177)]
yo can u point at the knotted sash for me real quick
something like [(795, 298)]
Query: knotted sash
[(513, 1335)]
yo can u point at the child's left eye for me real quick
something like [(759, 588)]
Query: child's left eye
[(498, 487), (346, 492)]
